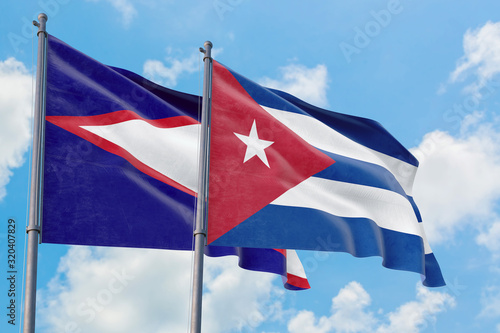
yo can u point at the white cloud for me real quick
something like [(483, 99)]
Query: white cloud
[(305, 321), (350, 314), (490, 238), (125, 8), (348, 309), (309, 84), (490, 301), (237, 298), (15, 112), (156, 71), (131, 290), (457, 184), (167, 75), (414, 316), (481, 57), (152, 292)]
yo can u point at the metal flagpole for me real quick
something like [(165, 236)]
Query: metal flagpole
[(200, 232), (33, 229)]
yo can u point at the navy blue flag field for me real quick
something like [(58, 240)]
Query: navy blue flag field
[(287, 174), (121, 164)]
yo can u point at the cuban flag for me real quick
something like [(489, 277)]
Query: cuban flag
[(121, 164), (286, 174)]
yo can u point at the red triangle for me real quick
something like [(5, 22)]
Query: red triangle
[(239, 189), (74, 125)]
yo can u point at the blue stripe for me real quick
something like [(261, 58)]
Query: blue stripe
[(415, 208), (291, 287), (433, 277), (349, 170), (255, 259), (364, 131), (280, 226)]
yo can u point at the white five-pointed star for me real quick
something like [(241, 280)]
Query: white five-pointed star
[(255, 146)]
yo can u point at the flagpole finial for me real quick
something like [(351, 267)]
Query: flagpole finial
[(207, 51), (42, 19)]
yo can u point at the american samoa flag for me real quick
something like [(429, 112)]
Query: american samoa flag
[(121, 164)]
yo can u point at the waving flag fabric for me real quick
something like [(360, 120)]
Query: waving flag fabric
[(121, 164), (286, 174)]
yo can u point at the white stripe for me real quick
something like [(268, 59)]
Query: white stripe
[(387, 209), (427, 247), (172, 151), (325, 138), (293, 264)]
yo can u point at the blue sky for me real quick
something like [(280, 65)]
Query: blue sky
[(429, 71)]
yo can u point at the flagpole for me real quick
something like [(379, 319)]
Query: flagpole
[(200, 232), (33, 229)]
